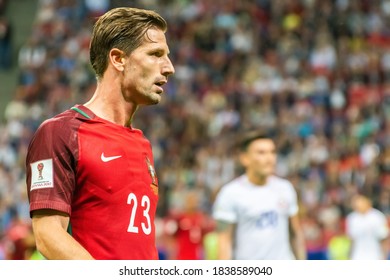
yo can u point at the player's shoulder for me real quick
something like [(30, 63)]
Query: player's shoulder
[(59, 125), (230, 192), (234, 185), (139, 133), (57, 121), (351, 215), (376, 212), (278, 179), (280, 182)]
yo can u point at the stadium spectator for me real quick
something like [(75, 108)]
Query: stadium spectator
[(5, 43)]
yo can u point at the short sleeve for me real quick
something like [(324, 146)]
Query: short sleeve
[(293, 205), (50, 166), (383, 228), (224, 208), (349, 225)]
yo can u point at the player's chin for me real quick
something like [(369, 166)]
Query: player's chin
[(268, 171), (154, 98)]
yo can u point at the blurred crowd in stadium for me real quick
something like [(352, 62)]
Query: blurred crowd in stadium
[(315, 72)]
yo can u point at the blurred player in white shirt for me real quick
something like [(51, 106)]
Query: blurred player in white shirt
[(257, 213), (368, 230)]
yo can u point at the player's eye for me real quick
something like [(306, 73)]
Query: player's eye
[(157, 53)]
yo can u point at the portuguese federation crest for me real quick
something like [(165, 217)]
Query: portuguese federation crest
[(152, 173)]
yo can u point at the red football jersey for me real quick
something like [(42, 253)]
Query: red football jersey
[(102, 175)]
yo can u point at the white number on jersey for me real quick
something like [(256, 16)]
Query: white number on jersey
[(145, 204)]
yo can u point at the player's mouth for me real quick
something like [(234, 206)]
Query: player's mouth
[(159, 85)]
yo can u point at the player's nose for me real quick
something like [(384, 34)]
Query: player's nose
[(167, 68)]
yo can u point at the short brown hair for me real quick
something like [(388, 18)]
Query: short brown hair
[(245, 139), (121, 28)]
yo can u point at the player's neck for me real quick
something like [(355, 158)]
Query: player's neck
[(257, 180), (365, 210), (107, 106)]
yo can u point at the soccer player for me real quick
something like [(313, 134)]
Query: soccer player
[(255, 211), (368, 230), (189, 227), (91, 181)]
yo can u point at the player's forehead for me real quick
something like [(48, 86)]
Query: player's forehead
[(154, 39), (262, 144), (359, 199)]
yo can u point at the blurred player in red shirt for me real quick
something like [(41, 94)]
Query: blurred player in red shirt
[(189, 227)]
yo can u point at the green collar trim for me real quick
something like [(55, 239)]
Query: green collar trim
[(81, 112)]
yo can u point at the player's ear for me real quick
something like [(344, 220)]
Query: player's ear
[(117, 59)]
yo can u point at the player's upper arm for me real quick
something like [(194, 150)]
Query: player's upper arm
[(224, 226), (52, 238), (45, 219), (48, 224), (295, 224), (225, 232)]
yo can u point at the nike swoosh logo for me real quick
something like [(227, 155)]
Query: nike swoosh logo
[(106, 159)]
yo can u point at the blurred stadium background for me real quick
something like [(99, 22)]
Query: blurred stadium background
[(316, 72)]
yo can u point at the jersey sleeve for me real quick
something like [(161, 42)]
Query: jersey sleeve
[(293, 200), (350, 225), (224, 208), (348, 230), (50, 167), (383, 227)]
